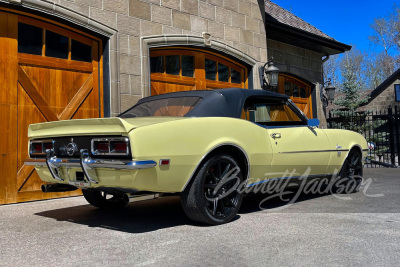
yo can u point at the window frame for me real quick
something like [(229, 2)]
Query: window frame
[(198, 81), (285, 104), (397, 92), (58, 30)]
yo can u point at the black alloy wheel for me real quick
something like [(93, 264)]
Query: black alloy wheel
[(350, 176), (213, 196)]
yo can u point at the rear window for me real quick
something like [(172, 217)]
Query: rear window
[(175, 107)]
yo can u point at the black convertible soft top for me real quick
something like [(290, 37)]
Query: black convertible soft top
[(219, 102)]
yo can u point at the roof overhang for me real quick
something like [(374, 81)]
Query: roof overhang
[(287, 34), (383, 86)]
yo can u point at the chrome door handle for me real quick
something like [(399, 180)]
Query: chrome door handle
[(276, 135)]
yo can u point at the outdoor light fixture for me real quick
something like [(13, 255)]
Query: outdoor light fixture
[(330, 90), (269, 75)]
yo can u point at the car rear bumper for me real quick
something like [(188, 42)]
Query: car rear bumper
[(95, 163), (87, 164)]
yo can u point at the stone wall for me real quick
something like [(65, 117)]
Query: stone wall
[(296, 60), (385, 99), (236, 23)]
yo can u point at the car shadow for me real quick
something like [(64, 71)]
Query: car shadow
[(136, 217), (269, 202), (150, 215)]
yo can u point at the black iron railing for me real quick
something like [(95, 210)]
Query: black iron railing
[(380, 128)]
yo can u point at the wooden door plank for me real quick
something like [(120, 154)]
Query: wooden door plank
[(200, 73), (96, 93), (23, 175), (55, 63), (32, 91), (78, 99), (8, 106)]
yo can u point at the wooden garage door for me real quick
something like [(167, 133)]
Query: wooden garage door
[(53, 76), (182, 69)]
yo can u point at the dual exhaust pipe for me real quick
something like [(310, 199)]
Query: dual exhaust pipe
[(49, 188)]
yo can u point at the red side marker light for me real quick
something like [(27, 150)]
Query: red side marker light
[(164, 162)]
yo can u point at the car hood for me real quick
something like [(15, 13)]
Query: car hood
[(101, 126)]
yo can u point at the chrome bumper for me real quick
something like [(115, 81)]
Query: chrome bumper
[(95, 163), (87, 164)]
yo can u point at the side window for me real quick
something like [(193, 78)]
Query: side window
[(269, 112)]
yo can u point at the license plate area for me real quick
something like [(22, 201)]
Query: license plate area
[(79, 180), (79, 184)]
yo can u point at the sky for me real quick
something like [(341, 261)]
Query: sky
[(346, 21)]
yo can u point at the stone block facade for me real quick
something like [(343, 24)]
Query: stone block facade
[(236, 23), (237, 29), (296, 60), (385, 99)]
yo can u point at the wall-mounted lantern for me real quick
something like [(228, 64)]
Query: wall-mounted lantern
[(330, 90), (269, 76)]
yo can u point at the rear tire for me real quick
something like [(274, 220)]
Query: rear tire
[(213, 196), (100, 200)]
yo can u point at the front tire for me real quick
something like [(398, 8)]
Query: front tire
[(102, 200), (350, 176), (213, 196)]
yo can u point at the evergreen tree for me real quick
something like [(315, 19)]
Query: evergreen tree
[(351, 99), (347, 116)]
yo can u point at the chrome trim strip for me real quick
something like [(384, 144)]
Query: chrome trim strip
[(95, 163), (315, 151), (211, 150)]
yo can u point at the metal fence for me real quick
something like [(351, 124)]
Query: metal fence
[(380, 128)]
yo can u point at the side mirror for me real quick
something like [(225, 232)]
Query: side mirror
[(313, 122)]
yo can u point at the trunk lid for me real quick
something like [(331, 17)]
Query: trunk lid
[(97, 126)]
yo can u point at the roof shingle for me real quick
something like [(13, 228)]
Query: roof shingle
[(281, 15)]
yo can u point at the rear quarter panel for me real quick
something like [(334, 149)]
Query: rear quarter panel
[(186, 142)]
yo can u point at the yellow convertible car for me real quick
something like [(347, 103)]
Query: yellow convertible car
[(210, 147)]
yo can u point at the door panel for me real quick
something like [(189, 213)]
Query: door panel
[(296, 149)]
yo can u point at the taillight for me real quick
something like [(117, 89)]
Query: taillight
[(39, 147), (47, 145), (102, 147), (110, 146), (119, 147)]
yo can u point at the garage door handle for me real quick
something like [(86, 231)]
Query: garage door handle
[(276, 135)]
